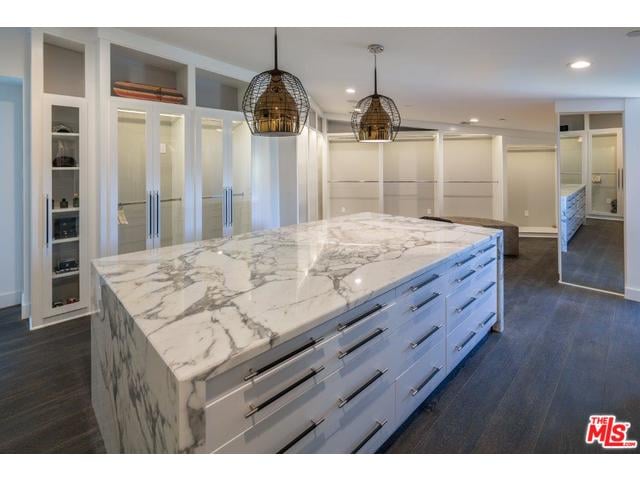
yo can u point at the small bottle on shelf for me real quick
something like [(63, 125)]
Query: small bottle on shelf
[(76, 200), (64, 203)]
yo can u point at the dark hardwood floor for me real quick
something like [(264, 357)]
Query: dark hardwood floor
[(566, 353), (595, 256)]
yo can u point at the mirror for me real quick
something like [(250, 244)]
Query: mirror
[(591, 213)]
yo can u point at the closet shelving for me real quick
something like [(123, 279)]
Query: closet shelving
[(420, 174), (60, 167)]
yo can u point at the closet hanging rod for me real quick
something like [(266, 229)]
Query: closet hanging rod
[(409, 181), (471, 181), (207, 197), (143, 202), (353, 181)]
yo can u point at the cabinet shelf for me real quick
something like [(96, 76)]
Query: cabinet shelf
[(65, 274), (65, 240), (65, 210), (65, 134)]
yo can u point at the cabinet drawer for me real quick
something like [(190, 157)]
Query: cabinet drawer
[(301, 427), (467, 300), (417, 383), (465, 269), (266, 391), (417, 335), (268, 364), (435, 280), (462, 340), (364, 430)]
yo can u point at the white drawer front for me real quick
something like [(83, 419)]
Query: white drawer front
[(420, 333), (467, 300), (364, 430), (415, 385), (462, 340), (302, 427)]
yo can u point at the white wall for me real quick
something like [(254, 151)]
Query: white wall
[(11, 191), (531, 186)]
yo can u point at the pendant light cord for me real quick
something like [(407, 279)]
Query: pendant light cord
[(375, 74), (275, 46)]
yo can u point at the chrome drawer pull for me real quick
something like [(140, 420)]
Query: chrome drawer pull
[(255, 409), (487, 263), (415, 308), (416, 390), (484, 250), (466, 260), (467, 340), (343, 401), (464, 307), (423, 339), (303, 434), (254, 373), (369, 436), (486, 289), (432, 278), (464, 277), (353, 348), (375, 309), (486, 320)]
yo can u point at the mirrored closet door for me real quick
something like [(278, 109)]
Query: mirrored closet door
[(152, 192), (222, 174), (591, 193)]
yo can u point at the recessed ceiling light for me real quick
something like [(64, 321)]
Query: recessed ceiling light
[(580, 64), (474, 120), (350, 90)]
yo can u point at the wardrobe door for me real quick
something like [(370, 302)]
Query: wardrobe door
[(135, 183), (240, 214), (211, 141), (170, 179), (605, 173)]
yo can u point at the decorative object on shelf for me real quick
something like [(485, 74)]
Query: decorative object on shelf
[(62, 159), (142, 91), (64, 203), (62, 128), (66, 266), (65, 228), (375, 118), (76, 200), (71, 300), (275, 103), (57, 304)]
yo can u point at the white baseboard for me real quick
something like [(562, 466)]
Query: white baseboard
[(10, 299), (632, 294), (538, 232)]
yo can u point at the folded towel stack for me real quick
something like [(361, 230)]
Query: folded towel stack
[(143, 91)]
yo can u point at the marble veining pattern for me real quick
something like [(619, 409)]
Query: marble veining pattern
[(209, 305), (173, 317)]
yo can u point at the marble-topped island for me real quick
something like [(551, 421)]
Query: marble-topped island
[(266, 341)]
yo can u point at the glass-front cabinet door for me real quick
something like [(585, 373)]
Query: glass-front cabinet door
[(571, 158), (223, 174), (65, 265), (606, 172), (152, 198)]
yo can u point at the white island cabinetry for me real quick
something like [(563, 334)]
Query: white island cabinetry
[(315, 338)]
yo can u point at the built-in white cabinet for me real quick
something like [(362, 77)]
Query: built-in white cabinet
[(222, 174), (591, 153), (152, 202), (64, 261)]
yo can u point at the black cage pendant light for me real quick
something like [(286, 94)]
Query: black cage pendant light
[(375, 118), (275, 103)]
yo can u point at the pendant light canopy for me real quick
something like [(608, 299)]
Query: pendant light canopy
[(275, 103), (375, 118)]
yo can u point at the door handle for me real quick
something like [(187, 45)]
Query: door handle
[(46, 220), (150, 230), (231, 205), (157, 214)]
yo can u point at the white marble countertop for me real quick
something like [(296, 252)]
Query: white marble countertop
[(570, 188), (207, 306)]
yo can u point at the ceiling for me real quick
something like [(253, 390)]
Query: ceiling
[(506, 77)]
